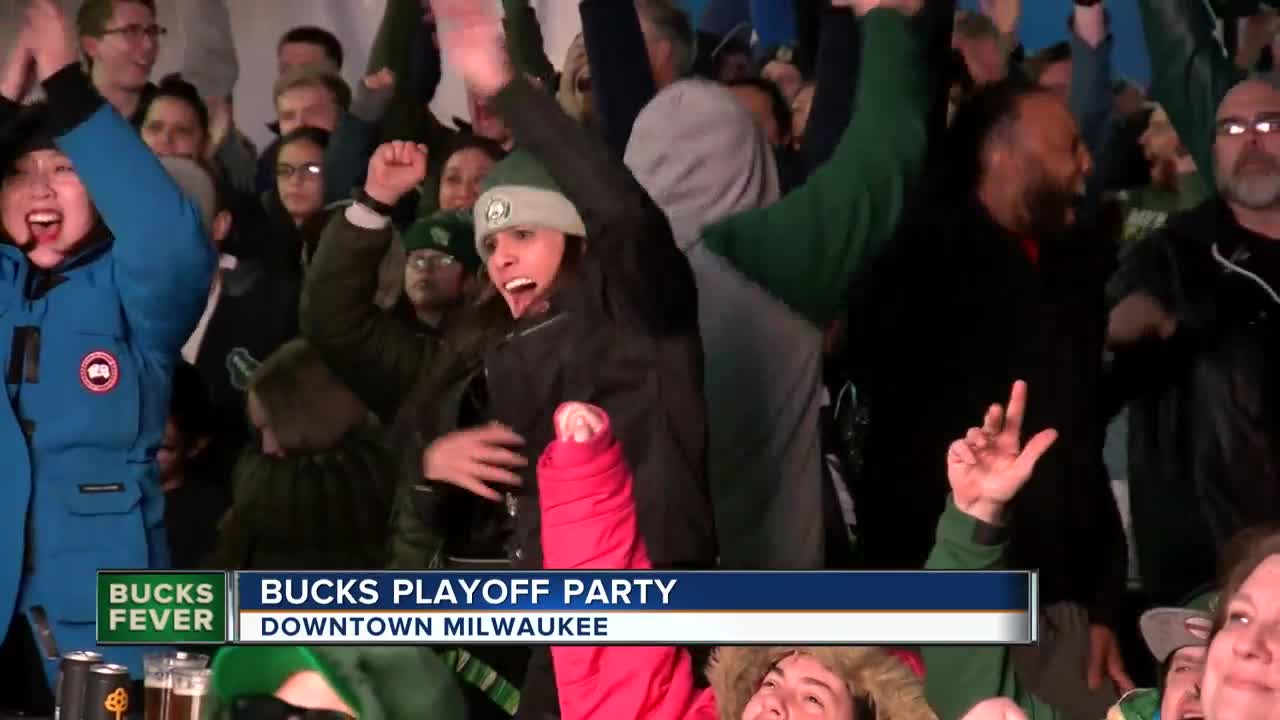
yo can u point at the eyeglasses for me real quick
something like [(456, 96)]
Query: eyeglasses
[(137, 32), (267, 707), (308, 170), (1263, 125), (431, 262)]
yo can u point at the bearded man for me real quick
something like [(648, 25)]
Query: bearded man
[(1197, 339)]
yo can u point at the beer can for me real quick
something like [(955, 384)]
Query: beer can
[(109, 693), (73, 673)]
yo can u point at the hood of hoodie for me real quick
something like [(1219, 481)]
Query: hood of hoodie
[(701, 157), (894, 691)]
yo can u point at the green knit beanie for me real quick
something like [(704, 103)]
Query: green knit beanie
[(519, 192), (451, 232)]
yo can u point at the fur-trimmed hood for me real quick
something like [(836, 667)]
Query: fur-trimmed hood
[(892, 689)]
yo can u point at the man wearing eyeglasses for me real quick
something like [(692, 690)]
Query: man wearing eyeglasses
[(1197, 333), (120, 40)]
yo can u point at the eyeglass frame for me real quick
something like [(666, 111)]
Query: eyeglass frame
[(436, 261), (284, 171), (1220, 127), (136, 32)]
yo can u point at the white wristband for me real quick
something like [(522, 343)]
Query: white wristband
[(363, 217)]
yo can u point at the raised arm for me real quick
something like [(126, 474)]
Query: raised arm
[(806, 248), (625, 229), (589, 523), (621, 77), (162, 258), (1090, 95), (985, 471), (1190, 71), (377, 355)]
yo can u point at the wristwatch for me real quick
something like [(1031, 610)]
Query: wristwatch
[(362, 197)]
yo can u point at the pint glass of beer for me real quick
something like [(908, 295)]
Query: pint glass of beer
[(157, 680), (190, 687)]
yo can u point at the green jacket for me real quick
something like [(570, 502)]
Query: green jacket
[(388, 365), (806, 248), (310, 511), (960, 676), (1190, 72)]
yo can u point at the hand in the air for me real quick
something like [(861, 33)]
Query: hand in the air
[(471, 39), (18, 74), (989, 465), (1105, 660), (578, 422), (395, 169), (472, 458), (1003, 13), (51, 37)]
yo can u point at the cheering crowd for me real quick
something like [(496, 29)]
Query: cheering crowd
[(905, 296)]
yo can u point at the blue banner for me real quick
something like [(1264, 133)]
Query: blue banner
[(620, 591)]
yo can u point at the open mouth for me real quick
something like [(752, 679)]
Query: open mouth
[(44, 225), (521, 292)]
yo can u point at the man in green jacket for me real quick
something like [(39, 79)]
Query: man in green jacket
[(985, 471)]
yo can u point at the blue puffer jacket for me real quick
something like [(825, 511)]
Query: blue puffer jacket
[(87, 352)]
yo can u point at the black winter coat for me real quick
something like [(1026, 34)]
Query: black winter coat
[(1204, 433), (956, 313), (622, 334)]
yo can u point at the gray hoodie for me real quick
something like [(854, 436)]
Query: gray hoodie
[(702, 158)]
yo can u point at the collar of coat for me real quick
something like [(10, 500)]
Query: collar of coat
[(893, 690)]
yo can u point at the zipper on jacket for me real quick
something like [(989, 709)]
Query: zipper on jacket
[(1231, 267)]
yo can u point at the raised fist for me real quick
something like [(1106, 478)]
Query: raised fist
[(395, 169), (384, 79), (988, 467), (578, 422)]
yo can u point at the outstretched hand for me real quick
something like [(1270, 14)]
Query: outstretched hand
[(18, 74), (578, 422), (396, 168), (471, 39), (988, 467), (51, 37)]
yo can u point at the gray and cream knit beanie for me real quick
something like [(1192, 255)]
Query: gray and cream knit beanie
[(519, 192)]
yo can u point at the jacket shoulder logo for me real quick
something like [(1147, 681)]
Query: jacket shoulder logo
[(498, 212), (99, 371)]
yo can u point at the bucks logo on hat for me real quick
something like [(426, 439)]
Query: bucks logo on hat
[(498, 212), (99, 371)]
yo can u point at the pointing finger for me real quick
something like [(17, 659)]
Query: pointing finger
[(1016, 409)]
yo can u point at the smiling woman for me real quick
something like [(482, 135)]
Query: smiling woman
[(1242, 671), (101, 282)]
